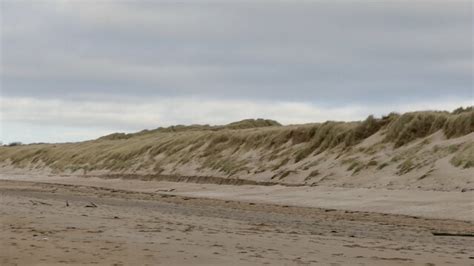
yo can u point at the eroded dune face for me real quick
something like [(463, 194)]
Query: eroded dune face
[(424, 150)]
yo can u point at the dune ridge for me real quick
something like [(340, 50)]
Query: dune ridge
[(431, 150)]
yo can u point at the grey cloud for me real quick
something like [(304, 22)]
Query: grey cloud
[(327, 53)]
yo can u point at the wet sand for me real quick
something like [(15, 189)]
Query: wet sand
[(49, 224)]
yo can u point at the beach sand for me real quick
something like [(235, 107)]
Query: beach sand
[(92, 223)]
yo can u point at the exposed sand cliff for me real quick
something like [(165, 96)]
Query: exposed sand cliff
[(423, 150)]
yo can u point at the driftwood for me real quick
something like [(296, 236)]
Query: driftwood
[(453, 234), (165, 190), (91, 205), (36, 202)]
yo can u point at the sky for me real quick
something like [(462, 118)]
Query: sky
[(77, 70)]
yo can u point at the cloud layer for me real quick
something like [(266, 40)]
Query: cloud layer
[(128, 65)]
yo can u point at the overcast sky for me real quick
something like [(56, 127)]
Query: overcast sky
[(75, 70)]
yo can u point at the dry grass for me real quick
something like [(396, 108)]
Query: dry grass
[(226, 149), (459, 124), (382, 165), (411, 126), (464, 158), (314, 173), (406, 166)]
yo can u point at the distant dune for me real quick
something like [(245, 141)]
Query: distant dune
[(429, 150)]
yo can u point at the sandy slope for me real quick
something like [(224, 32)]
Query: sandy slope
[(37, 227)]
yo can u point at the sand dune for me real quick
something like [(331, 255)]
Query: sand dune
[(419, 150)]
